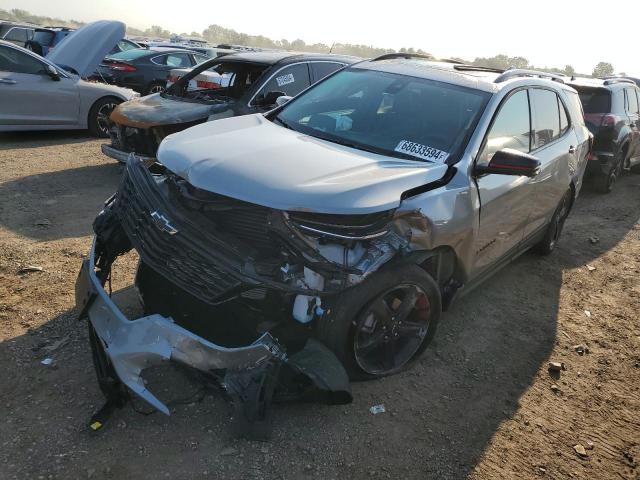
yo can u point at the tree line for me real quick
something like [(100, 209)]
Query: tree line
[(216, 34)]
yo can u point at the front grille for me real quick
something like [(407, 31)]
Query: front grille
[(201, 258), (130, 139)]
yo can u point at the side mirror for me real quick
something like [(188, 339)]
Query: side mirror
[(53, 73), (271, 98), (282, 100), (511, 162)]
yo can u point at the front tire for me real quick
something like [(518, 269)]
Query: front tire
[(378, 327), (98, 121)]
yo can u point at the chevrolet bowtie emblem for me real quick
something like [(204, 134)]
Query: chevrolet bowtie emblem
[(163, 223)]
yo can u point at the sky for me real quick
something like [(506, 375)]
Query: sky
[(548, 33)]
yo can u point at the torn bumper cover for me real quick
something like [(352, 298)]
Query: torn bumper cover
[(121, 155), (134, 345)]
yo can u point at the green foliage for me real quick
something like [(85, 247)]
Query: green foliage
[(502, 62), (603, 69)]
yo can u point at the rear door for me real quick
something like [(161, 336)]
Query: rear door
[(633, 112), (555, 145), (18, 35), (28, 95), (163, 64)]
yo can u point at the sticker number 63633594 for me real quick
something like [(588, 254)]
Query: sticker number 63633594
[(421, 151)]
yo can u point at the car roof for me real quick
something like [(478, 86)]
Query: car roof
[(272, 57), (456, 73), (608, 83)]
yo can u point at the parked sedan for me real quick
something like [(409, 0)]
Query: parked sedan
[(39, 94), (145, 70)]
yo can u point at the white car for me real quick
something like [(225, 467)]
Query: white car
[(43, 94)]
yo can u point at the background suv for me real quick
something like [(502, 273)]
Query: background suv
[(45, 39), (612, 113), (16, 33)]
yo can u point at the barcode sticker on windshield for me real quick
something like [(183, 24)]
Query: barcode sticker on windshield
[(285, 79), (421, 151)]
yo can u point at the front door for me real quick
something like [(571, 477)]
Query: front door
[(29, 96), (504, 199)]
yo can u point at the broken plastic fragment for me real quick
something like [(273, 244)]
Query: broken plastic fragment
[(376, 409), (47, 361)]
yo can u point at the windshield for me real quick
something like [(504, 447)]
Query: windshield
[(215, 80), (387, 113)]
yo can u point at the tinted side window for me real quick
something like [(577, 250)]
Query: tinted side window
[(290, 80), (178, 60), (17, 35), (319, 70), (511, 127), (11, 60), (546, 116), (632, 101), (575, 107)]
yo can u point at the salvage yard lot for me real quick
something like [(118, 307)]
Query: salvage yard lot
[(477, 404)]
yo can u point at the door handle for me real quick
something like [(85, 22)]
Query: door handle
[(7, 81), (572, 149)]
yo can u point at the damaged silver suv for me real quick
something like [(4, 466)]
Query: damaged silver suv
[(349, 218)]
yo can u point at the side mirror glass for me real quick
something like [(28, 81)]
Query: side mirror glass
[(53, 73), (511, 162)]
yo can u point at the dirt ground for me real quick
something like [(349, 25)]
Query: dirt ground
[(479, 404)]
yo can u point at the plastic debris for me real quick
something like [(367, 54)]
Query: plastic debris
[(47, 361), (376, 409), (30, 268)]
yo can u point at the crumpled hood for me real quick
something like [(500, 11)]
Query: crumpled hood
[(252, 159), (84, 49), (154, 110)]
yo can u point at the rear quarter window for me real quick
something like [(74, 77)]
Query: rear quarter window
[(575, 107), (546, 116)]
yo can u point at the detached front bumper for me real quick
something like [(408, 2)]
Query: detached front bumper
[(121, 155), (133, 345)]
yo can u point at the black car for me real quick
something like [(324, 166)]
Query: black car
[(612, 113), (145, 70), (236, 84)]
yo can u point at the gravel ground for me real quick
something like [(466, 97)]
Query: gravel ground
[(480, 403)]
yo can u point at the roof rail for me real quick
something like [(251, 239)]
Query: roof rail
[(476, 68), (390, 56), (520, 72), (611, 81)]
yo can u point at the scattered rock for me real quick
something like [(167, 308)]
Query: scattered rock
[(228, 451), (43, 222), (589, 445), (587, 313), (90, 472), (555, 388), (581, 349), (556, 366), (593, 240), (591, 268), (580, 450)]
